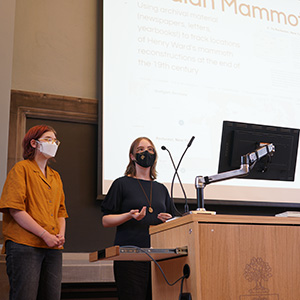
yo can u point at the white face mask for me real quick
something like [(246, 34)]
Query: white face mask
[(48, 149)]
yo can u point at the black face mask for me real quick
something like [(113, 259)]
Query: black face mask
[(145, 159)]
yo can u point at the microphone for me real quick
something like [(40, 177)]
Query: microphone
[(190, 142), (176, 173), (186, 207)]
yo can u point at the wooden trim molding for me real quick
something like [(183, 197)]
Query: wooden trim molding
[(44, 106)]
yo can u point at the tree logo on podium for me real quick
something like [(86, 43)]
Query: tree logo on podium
[(258, 271)]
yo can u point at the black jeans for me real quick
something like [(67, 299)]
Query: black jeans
[(133, 280), (34, 273)]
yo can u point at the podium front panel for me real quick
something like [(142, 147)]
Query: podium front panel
[(231, 260)]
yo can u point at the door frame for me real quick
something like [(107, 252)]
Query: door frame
[(26, 104)]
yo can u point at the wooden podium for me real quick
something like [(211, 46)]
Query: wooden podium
[(230, 257)]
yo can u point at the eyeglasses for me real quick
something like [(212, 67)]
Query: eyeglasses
[(50, 141), (142, 149)]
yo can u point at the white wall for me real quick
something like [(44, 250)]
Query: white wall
[(7, 16), (48, 47), (55, 47)]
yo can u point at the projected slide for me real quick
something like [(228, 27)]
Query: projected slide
[(176, 69)]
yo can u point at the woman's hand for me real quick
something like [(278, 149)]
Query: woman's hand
[(28, 223), (52, 240), (61, 239), (118, 219), (138, 215), (164, 217)]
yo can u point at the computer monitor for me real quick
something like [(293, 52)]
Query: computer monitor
[(239, 139)]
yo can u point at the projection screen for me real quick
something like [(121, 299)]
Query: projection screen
[(175, 69)]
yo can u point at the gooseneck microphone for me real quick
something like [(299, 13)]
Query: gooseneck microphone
[(186, 207), (190, 142), (176, 173)]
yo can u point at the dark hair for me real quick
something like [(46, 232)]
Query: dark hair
[(33, 133), (131, 170)]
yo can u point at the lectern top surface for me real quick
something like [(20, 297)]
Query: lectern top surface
[(229, 219)]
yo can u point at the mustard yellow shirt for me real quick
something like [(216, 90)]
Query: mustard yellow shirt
[(26, 188)]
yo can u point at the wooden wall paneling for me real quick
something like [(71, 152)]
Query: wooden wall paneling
[(31, 104)]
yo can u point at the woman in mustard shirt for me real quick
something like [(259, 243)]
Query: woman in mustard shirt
[(33, 207)]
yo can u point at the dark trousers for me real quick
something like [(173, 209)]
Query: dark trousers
[(34, 273), (133, 280)]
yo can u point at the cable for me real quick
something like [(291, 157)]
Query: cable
[(159, 267), (181, 287)]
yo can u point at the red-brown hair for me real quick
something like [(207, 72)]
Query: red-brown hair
[(33, 133)]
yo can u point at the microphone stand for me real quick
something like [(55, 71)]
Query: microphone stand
[(186, 207), (172, 184)]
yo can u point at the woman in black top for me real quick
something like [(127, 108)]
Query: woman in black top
[(133, 203)]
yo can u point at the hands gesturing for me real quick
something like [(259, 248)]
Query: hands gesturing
[(138, 215), (164, 217)]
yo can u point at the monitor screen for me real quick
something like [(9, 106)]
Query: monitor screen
[(238, 139)]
